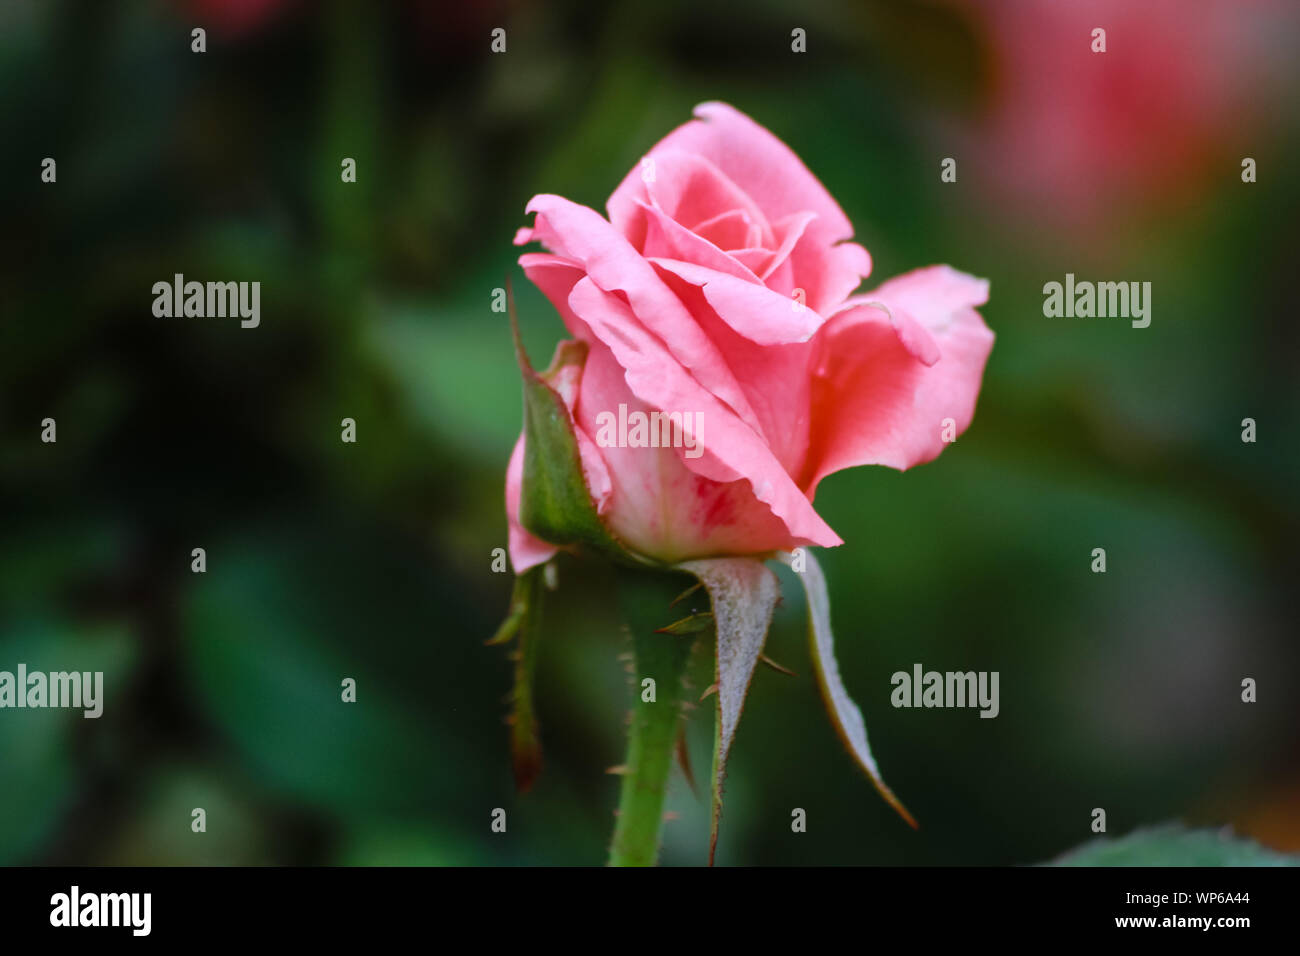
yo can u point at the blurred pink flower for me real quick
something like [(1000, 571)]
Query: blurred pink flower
[(1178, 97), (236, 17)]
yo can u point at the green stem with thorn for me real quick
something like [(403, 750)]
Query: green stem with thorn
[(652, 735)]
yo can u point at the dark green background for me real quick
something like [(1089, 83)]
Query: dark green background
[(372, 560)]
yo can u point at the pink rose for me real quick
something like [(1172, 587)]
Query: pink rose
[(719, 292)]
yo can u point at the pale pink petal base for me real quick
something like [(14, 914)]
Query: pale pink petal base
[(526, 550)]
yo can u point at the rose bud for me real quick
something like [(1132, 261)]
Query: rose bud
[(719, 367)]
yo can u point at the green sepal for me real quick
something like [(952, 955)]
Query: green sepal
[(743, 593), (843, 712), (555, 503)]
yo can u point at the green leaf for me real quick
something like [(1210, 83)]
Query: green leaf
[(1174, 845), (844, 714), (38, 746), (744, 593), (269, 682), (653, 732)]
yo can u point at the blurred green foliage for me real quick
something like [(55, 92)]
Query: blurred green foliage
[(1175, 846)]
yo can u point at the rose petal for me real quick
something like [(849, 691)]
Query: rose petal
[(775, 179), (875, 401), (754, 311), (912, 334), (732, 449), (693, 191), (783, 411), (658, 505), (526, 549), (752, 158), (788, 232), (729, 231), (827, 273), (755, 260), (556, 276), (667, 238), (579, 233)]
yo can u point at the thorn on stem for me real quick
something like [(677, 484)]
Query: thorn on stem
[(776, 667), (689, 591)]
